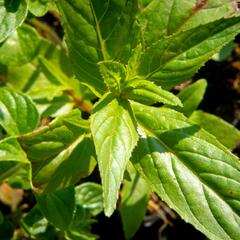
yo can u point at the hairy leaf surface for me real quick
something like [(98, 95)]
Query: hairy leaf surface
[(146, 92)]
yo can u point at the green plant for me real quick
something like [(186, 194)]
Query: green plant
[(127, 55)]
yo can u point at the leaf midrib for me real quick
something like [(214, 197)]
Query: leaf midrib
[(150, 132)]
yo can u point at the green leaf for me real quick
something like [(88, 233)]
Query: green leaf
[(38, 7), (114, 75), (89, 196), (174, 59), (51, 143), (21, 47), (18, 114), (226, 133), (57, 76), (146, 92), (190, 170), (68, 167), (37, 226), (14, 165), (135, 196), (171, 16), (115, 136), (104, 35), (58, 207), (224, 53), (191, 97), (88, 203), (12, 14)]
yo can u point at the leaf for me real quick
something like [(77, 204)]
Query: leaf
[(115, 136), (146, 92), (58, 207), (174, 59), (135, 196), (12, 14), (226, 133), (56, 143), (37, 226), (190, 170), (68, 167), (88, 203), (38, 7), (114, 75), (191, 97), (103, 35), (21, 47), (56, 75), (171, 16), (14, 165), (18, 114), (224, 53), (89, 196)]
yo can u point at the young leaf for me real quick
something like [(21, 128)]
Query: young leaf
[(12, 14), (115, 136), (146, 92), (18, 114), (190, 170), (191, 97), (174, 59), (14, 165), (114, 75), (103, 35), (135, 196), (21, 47), (58, 207), (226, 133), (171, 16)]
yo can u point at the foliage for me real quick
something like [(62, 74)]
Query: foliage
[(101, 97)]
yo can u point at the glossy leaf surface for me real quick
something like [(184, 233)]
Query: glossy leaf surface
[(12, 14), (18, 114), (21, 47), (190, 170), (115, 136), (104, 35)]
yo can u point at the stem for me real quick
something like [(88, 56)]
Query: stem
[(79, 102), (47, 29)]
